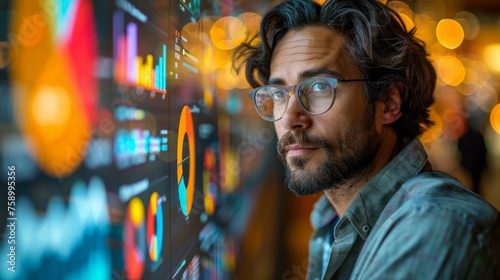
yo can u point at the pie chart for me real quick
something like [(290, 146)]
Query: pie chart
[(186, 158), (155, 227), (53, 58)]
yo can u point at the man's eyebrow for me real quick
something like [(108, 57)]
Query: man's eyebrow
[(311, 73), (317, 72), (276, 81)]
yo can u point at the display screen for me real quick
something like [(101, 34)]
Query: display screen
[(120, 151)]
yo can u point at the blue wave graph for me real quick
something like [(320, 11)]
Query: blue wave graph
[(66, 242)]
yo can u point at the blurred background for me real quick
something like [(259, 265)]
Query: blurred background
[(138, 154)]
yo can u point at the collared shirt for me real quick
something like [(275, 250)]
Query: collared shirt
[(408, 223)]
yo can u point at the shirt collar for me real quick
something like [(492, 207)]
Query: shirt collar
[(366, 207)]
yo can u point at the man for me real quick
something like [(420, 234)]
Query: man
[(350, 90)]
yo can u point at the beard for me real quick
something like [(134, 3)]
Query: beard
[(348, 160)]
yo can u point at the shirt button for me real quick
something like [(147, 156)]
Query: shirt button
[(365, 228)]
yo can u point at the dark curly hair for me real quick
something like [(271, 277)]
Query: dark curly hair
[(381, 46)]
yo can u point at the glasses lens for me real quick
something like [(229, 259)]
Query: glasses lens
[(270, 102), (316, 95)]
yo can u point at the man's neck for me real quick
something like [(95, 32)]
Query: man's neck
[(341, 196)]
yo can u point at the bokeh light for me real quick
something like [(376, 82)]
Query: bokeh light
[(228, 32), (451, 70), (495, 118), (449, 33), (492, 57)]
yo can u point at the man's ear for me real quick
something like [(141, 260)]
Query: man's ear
[(392, 104)]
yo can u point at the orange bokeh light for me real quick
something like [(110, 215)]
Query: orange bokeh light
[(228, 32), (491, 56), (451, 70), (449, 33), (495, 118)]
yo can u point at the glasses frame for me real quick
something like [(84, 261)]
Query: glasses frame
[(286, 89)]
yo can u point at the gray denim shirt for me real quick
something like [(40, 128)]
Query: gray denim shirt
[(408, 223)]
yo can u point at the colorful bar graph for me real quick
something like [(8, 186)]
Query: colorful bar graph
[(132, 69)]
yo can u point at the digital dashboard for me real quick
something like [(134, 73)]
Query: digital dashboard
[(126, 152)]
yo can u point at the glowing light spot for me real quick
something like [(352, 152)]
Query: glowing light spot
[(51, 106), (228, 32), (495, 118), (451, 70), (492, 57), (449, 33)]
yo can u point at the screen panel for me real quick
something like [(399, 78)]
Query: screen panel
[(122, 146)]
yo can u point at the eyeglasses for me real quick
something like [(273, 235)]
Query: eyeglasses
[(315, 96)]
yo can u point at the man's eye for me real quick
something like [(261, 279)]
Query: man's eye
[(277, 94), (319, 86)]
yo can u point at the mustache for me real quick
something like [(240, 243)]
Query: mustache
[(301, 138)]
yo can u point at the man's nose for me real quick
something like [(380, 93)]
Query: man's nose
[(295, 117)]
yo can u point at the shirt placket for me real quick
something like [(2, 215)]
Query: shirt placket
[(345, 237)]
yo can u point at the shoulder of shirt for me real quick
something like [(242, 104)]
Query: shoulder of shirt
[(435, 221), (436, 191)]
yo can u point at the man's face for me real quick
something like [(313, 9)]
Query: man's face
[(323, 151)]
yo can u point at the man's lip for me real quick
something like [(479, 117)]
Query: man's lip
[(294, 147)]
